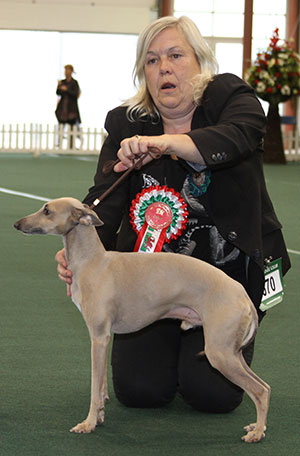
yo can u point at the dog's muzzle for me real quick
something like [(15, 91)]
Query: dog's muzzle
[(27, 230)]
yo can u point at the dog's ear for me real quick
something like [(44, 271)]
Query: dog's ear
[(86, 216)]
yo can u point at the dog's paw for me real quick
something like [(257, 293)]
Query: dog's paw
[(250, 427), (253, 434), (83, 428)]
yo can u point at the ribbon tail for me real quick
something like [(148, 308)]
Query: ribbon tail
[(140, 238), (161, 241)]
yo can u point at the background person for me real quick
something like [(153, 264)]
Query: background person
[(209, 129), (67, 111)]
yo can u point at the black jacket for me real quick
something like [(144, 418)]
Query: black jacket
[(67, 110), (228, 129)]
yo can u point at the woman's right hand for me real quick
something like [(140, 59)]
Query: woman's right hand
[(130, 150), (62, 268)]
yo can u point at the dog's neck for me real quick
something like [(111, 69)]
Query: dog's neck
[(81, 244)]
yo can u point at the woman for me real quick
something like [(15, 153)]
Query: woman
[(209, 130), (67, 111)]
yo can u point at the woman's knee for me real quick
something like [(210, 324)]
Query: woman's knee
[(206, 389), (134, 389), (144, 365), (214, 400), (203, 387)]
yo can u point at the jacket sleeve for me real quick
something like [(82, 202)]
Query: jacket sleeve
[(234, 122), (73, 90), (112, 208)]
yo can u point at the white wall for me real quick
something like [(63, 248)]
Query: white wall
[(34, 53), (34, 61), (108, 16)]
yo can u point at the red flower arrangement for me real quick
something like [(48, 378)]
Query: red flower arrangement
[(275, 75)]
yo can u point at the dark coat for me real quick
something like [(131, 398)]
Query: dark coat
[(67, 110), (228, 129)]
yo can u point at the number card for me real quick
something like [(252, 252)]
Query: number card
[(273, 291)]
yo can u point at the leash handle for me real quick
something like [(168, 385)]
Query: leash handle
[(154, 152)]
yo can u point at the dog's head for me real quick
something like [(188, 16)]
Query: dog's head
[(58, 216)]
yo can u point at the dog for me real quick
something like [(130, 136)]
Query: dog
[(189, 289)]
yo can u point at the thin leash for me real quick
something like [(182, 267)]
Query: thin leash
[(108, 166)]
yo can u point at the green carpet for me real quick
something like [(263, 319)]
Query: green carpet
[(45, 352)]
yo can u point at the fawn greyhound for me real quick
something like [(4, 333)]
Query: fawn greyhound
[(119, 292)]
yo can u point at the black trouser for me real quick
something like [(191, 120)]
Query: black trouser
[(151, 365)]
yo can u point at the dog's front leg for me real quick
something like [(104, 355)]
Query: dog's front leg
[(99, 351)]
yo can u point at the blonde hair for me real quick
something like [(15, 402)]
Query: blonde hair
[(141, 105)]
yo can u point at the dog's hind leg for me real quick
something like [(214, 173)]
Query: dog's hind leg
[(252, 427), (99, 351), (234, 368)]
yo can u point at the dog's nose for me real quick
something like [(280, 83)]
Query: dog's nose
[(17, 225)]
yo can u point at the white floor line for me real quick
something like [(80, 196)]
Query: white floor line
[(25, 195), (41, 198), (88, 159), (296, 252), (91, 158)]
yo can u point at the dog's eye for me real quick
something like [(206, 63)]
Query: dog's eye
[(46, 210)]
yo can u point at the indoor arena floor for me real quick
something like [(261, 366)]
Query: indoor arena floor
[(45, 349)]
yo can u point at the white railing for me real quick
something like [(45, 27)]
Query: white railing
[(43, 139), (40, 139)]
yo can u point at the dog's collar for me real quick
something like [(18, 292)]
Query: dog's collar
[(72, 228)]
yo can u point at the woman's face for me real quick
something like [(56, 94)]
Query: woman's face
[(169, 67), (68, 72)]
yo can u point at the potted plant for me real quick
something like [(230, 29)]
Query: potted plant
[(275, 77)]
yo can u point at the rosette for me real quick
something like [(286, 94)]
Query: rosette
[(158, 214)]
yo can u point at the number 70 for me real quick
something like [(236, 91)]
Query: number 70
[(269, 285)]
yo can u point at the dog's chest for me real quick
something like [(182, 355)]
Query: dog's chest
[(77, 304), (76, 295)]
